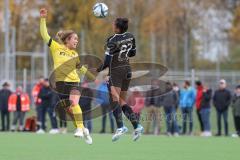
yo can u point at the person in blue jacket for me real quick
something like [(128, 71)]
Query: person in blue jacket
[(186, 102), (102, 98)]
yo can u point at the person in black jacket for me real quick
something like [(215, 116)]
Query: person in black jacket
[(205, 111), (236, 111), (45, 95), (221, 101), (170, 101), (4, 95)]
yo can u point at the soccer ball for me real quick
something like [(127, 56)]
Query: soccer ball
[(100, 10)]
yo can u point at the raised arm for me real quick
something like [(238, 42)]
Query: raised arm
[(43, 26)]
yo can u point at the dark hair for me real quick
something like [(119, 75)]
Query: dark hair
[(198, 83), (5, 84), (238, 87), (187, 83), (62, 36), (122, 24)]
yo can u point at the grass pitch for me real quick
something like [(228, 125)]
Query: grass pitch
[(29, 146)]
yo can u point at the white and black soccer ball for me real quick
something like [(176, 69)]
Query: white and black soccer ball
[(100, 10)]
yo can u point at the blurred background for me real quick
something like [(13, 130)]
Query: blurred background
[(193, 38)]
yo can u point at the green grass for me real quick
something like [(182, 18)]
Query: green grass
[(26, 146)]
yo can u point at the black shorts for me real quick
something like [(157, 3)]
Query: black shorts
[(64, 89), (120, 77)]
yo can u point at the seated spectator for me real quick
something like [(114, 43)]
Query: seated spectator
[(19, 103)]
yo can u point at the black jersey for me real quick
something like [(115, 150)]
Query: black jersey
[(120, 47)]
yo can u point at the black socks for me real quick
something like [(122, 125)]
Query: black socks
[(132, 117), (117, 113)]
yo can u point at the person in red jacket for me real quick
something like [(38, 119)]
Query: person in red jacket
[(37, 101), (136, 101), (199, 88), (19, 103)]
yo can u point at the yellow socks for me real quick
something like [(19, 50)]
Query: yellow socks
[(77, 116)]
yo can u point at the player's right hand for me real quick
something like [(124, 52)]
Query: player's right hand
[(43, 12)]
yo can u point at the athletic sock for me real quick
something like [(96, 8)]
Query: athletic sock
[(131, 116), (77, 116), (117, 113)]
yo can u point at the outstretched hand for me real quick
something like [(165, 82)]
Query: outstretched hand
[(43, 12)]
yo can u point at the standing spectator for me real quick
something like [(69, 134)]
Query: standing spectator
[(221, 101), (153, 108), (35, 91), (45, 95), (177, 91), (169, 102), (102, 98), (186, 102), (199, 97), (136, 101), (85, 103), (52, 113), (205, 109), (4, 95), (19, 103), (236, 111)]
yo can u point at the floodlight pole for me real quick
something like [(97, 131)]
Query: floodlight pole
[(6, 38)]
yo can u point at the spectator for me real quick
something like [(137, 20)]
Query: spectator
[(45, 96), (52, 113), (221, 101), (102, 97), (35, 91), (85, 103), (177, 91), (19, 103), (199, 97), (205, 109), (136, 101), (4, 95), (169, 102), (236, 111), (153, 108), (187, 100)]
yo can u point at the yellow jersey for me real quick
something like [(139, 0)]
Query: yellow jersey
[(65, 60)]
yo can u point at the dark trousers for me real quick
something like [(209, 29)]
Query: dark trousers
[(205, 116), (187, 116), (5, 124), (237, 124), (223, 114), (38, 112), (18, 115), (106, 110), (52, 116), (200, 120), (87, 120), (171, 119)]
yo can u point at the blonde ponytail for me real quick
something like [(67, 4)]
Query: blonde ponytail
[(63, 35)]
